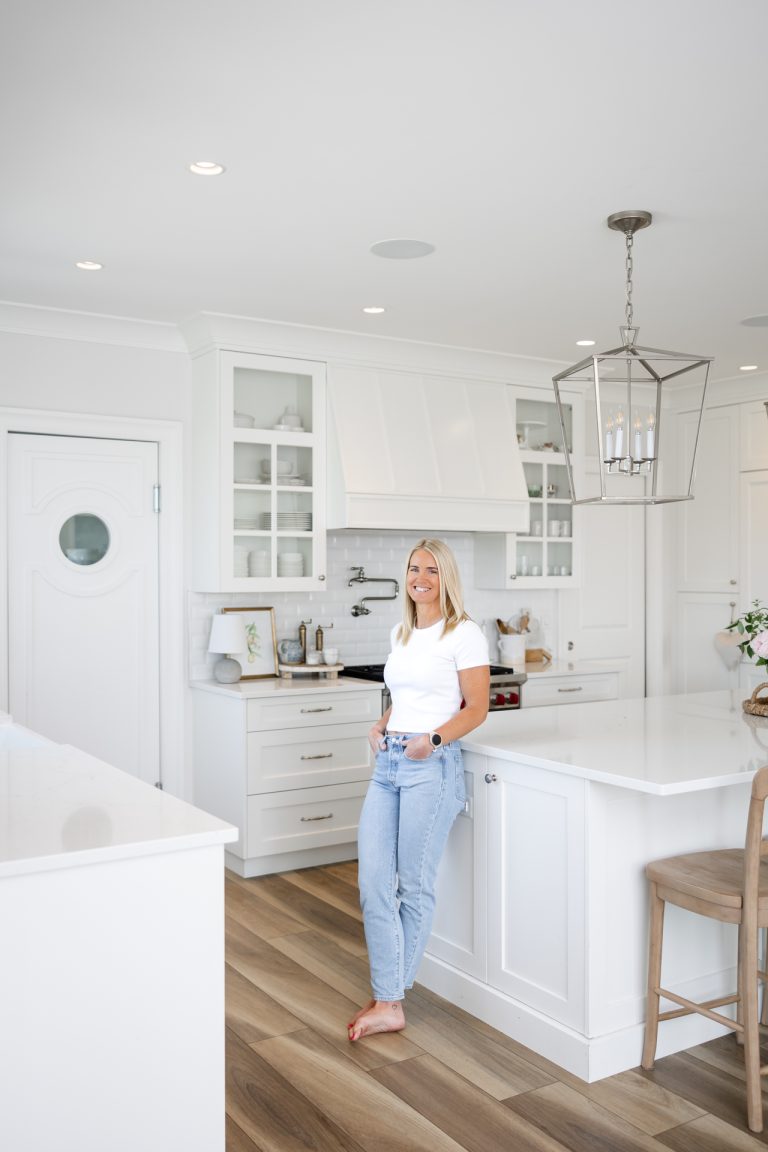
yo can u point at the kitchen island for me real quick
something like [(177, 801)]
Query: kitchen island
[(112, 962), (541, 925)]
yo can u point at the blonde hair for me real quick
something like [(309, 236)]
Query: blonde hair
[(451, 596)]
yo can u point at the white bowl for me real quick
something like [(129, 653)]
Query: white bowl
[(284, 467)]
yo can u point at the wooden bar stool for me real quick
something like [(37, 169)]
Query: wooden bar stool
[(730, 885)]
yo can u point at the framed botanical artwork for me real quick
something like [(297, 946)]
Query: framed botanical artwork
[(259, 657)]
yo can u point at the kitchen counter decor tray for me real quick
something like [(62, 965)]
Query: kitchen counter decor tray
[(330, 671), (755, 706)]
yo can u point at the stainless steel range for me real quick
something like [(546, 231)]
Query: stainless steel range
[(506, 684)]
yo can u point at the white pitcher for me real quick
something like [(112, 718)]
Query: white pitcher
[(512, 649)]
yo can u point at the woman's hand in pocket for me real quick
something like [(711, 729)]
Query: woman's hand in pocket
[(376, 739), (418, 747)]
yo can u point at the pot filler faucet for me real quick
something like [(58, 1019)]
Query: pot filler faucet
[(361, 578)]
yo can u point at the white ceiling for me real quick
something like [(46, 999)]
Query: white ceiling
[(502, 131)]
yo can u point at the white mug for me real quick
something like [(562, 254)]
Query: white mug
[(554, 527), (331, 655), (536, 570), (565, 527), (536, 527)]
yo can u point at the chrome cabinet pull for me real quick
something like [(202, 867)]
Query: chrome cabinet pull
[(328, 709), (319, 756), (490, 777), (309, 819), (579, 689)]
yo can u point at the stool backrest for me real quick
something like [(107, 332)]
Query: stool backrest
[(755, 847)]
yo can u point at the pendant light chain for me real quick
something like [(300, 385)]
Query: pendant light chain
[(630, 240)]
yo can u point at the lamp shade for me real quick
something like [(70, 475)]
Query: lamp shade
[(227, 633)]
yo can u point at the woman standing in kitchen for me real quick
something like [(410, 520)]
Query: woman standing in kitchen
[(438, 658)]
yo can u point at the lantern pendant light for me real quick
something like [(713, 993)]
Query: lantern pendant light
[(627, 385)]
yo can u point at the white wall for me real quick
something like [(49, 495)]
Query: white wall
[(365, 639)]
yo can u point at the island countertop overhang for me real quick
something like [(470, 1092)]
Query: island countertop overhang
[(661, 745)]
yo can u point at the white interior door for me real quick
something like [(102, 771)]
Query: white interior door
[(83, 595)]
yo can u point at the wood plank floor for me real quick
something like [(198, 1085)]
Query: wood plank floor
[(297, 970)]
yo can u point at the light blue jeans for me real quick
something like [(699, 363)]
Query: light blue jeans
[(407, 814)]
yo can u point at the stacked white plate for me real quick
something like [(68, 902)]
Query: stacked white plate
[(289, 521), (290, 564), (240, 564), (248, 480), (258, 564), (243, 420), (247, 523)]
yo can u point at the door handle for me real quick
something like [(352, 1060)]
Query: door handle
[(579, 689), (309, 819), (319, 756), (328, 709), (491, 777)]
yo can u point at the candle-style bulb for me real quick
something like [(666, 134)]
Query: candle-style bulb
[(619, 433), (650, 451), (609, 439)]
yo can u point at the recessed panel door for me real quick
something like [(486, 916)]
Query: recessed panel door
[(83, 595)]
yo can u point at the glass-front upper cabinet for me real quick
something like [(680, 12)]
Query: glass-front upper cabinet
[(544, 556), (267, 483)]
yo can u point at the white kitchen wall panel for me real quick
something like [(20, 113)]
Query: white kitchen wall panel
[(708, 540), (753, 504), (754, 435)]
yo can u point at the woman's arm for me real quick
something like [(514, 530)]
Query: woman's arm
[(475, 684)]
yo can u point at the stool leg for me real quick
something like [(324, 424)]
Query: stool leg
[(764, 966), (740, 986), (654, 977), (751, 1030)]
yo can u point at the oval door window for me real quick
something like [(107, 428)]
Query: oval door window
[(84, 538)]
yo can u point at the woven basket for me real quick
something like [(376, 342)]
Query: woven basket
[(754, 706)]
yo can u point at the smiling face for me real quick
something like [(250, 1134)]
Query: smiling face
[(424, 584)]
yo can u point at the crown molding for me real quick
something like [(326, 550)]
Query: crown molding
[(89, 327)]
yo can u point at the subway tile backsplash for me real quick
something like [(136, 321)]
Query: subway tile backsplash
[(364, 639)]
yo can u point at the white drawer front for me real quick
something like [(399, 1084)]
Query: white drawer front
[(314, 708), (278, 760), (306, 818), (570, 689)]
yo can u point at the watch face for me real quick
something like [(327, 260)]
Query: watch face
[(436, 740)]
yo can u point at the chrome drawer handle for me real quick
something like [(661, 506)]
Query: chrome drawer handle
[(579, 689), (309, 819), (328, 709), (319, 756)]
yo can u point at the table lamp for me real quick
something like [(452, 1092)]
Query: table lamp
[(227, 635)]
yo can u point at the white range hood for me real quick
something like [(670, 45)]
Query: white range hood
[(422, 452)]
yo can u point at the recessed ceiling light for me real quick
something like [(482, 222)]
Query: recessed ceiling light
[(88, 265), (748, 368), (402, 249), (206, 168), (585, 343), (373, 311)]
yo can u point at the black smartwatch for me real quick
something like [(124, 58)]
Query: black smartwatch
[(435, 739)]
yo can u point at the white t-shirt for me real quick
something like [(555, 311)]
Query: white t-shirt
[(422, 675)]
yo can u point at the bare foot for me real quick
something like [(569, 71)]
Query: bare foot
[(384, 1016), (361, 1012)]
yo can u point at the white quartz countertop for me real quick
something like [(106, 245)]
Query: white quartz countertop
[(278, 686), (661, 745), (60, 808)]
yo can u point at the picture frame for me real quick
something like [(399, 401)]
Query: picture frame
[(259, 659)]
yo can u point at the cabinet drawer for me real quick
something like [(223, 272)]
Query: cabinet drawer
[(312, 709), (307, 818), (333, 755), (570, 689)]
